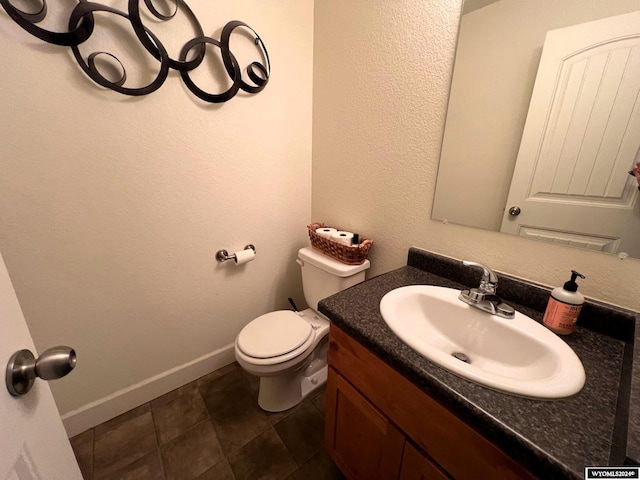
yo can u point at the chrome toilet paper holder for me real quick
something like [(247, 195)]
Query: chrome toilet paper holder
[(222, 255)]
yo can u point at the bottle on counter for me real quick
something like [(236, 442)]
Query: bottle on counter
[(564, 307)]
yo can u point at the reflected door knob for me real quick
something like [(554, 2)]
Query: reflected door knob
[(23, 368), (514, 211)]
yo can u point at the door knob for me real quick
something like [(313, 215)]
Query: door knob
[(23, 368), (514, 211)]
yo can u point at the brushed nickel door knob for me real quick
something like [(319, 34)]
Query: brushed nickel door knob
[(23, 368)]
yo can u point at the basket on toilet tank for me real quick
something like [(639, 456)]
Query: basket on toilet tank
[(348, 254)]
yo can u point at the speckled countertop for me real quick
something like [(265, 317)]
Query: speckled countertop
[(553, 439)]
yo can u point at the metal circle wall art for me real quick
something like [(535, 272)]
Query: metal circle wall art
[(81, 26)]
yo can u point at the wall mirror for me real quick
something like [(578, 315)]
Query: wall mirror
[(543, 123)]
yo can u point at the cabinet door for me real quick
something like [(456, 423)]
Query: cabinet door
[(416, 466), (361, 441), (459, 449)]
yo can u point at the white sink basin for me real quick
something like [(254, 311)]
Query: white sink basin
[(518, 356)]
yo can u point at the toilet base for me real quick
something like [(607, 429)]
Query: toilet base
[(280, 393)]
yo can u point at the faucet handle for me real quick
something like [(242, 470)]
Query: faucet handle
[(489, 280)]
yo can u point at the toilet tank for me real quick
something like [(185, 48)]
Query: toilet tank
[(322, 276)]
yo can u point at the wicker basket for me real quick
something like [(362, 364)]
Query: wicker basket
[(349, 254)]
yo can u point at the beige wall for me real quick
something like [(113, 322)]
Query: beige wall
[(381, 80), (112, 207)]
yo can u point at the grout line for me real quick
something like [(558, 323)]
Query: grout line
[(155, 429), (226, 457), (142, 455), (93, 454)]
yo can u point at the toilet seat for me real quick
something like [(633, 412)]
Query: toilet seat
[(275, 337)]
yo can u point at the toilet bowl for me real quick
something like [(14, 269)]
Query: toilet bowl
[(287, 349), (286, 364)]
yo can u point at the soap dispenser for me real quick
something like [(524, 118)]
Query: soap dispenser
[(564, 307)]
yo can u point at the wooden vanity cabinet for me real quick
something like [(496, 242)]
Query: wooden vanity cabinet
[(380, 426)]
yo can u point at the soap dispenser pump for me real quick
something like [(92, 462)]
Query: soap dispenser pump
[(564, 307)]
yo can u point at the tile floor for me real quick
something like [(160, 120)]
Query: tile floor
[(209, 429)]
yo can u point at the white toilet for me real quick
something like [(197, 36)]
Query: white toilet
[(287, 349)]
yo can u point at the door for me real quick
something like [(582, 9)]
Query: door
[(33, 442), (571, 182)]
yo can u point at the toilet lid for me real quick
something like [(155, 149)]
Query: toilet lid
[(274, 334)]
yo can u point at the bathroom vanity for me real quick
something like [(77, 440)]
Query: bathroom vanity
[(391, 413), (375, 416)]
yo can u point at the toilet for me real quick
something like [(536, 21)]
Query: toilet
[(287, 349)]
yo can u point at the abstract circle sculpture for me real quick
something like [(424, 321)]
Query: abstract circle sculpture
[(81, 26)]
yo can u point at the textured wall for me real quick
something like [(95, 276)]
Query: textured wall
[(381, 81), (112, 208)]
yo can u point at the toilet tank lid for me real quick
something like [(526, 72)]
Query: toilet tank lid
[(328, 264)]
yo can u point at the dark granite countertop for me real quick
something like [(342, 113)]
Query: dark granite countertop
[(552, 438)]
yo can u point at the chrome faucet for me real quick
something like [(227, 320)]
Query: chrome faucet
[(484, 297)]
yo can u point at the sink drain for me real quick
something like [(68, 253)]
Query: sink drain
[(461, 356)]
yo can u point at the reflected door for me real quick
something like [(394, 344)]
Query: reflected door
[(581, 137), (33, 442)]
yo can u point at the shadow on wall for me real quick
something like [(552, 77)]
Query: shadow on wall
[(291, 288)]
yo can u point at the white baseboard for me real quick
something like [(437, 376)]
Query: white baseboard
[(95, 413)]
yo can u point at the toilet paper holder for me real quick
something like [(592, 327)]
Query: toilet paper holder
[(222, 255)]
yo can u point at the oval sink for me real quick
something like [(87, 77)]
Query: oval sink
[(518, 356)]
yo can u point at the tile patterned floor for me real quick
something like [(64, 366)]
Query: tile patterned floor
[(209, 429)]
